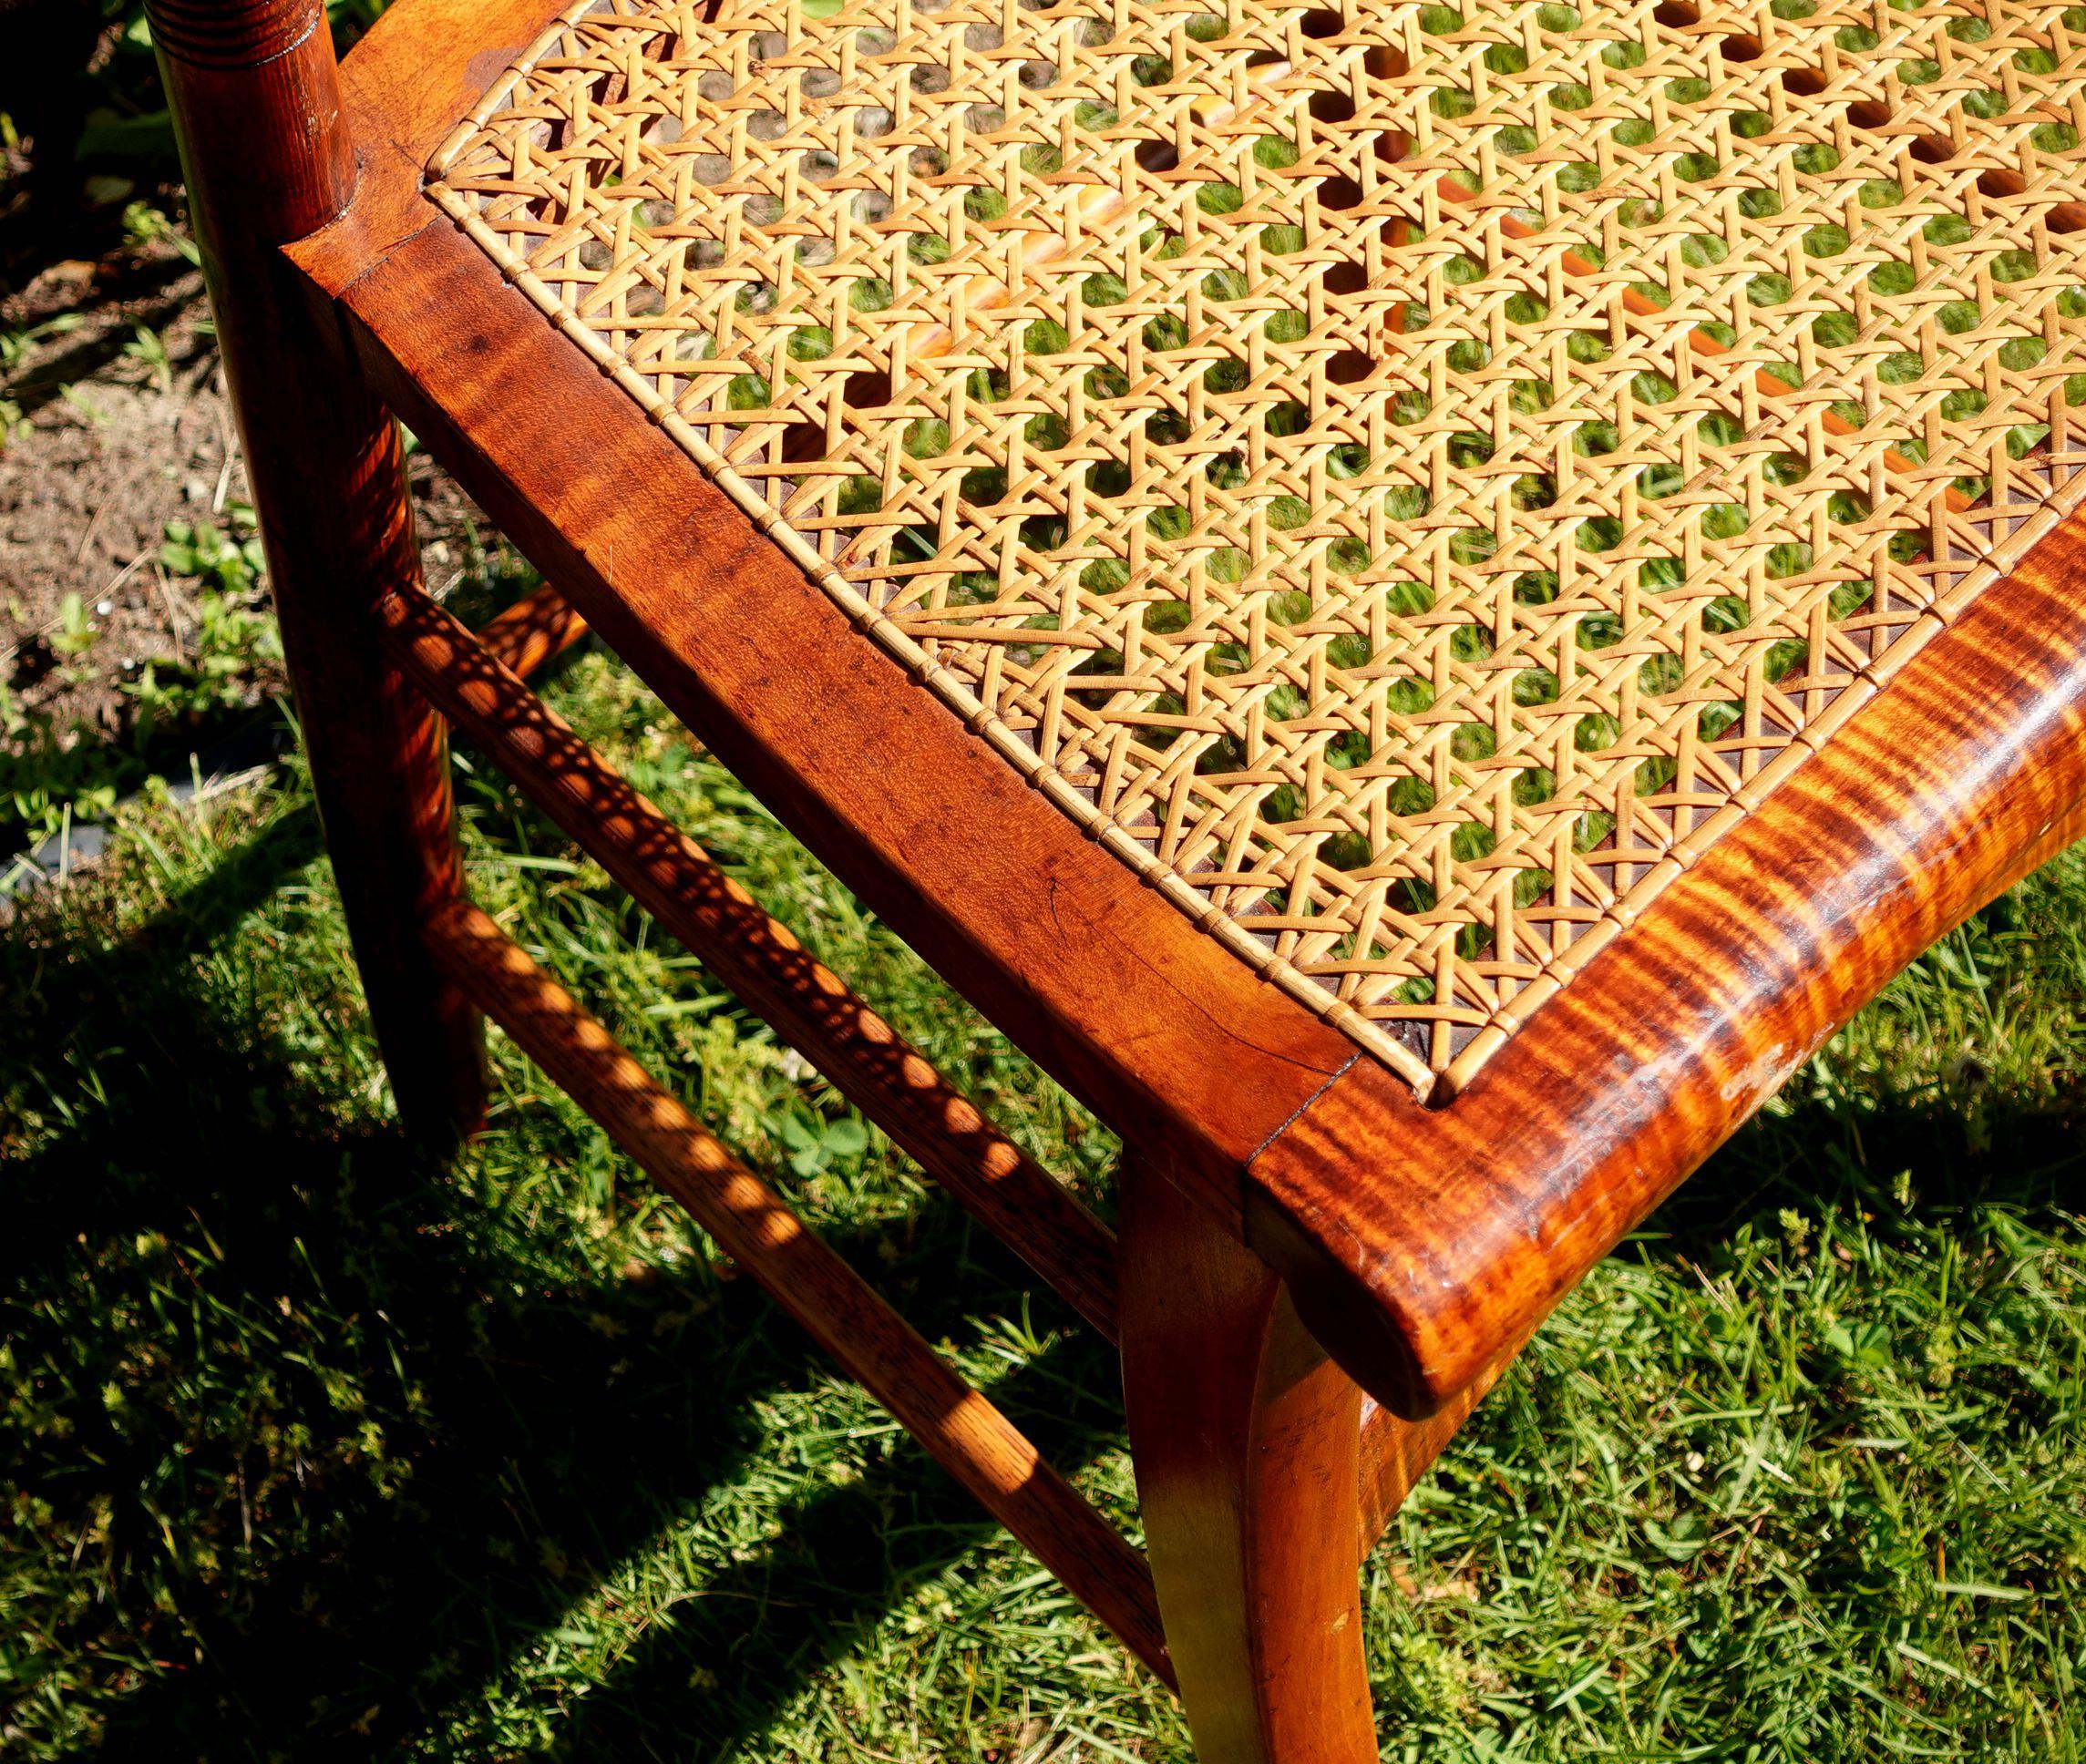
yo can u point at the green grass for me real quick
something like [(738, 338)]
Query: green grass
[(312, 1448)]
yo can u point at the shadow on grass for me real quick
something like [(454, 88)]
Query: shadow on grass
[(1960, 1150), (215, 1284), (340, 1446)]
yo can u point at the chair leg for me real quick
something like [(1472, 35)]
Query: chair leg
[(379, 758), (1247, 1444), (255, 97)]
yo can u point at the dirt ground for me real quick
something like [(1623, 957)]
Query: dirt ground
[(111, 450), (116, 440)]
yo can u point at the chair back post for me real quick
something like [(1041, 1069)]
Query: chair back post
[(255, 96)]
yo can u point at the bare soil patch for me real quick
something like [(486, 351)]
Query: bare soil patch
[(111, 448), (124, 435)]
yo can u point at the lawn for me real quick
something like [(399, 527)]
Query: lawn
[(314, 1448), (311, 1447)]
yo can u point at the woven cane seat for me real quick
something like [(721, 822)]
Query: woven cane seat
[(1407, 481)]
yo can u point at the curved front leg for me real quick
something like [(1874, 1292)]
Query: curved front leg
[(1246, 1441)]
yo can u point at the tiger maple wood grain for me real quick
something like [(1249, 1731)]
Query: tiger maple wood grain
[(1420, 1242)]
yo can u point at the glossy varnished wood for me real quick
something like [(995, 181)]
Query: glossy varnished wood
[(1421, 1242), (534, 631), (1247, 1444), (1418, 1241), (758, 958), (268, 158), (958, 1427), (1298, 1228), (1107, 986)]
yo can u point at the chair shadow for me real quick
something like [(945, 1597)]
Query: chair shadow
[(543, 1448), (1958, 1149), (557, 1425), (155, 294)]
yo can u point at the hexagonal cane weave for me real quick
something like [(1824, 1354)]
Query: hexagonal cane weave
[(1407, 481)]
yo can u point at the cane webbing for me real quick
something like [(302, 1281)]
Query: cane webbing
[(1407, 481)]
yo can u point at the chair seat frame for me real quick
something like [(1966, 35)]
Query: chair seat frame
[(1317, 1278)]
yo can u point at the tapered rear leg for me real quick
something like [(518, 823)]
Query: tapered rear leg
[(255, 99), (1246, 1441)]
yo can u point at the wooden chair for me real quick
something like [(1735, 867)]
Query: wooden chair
[(1417, 604)]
